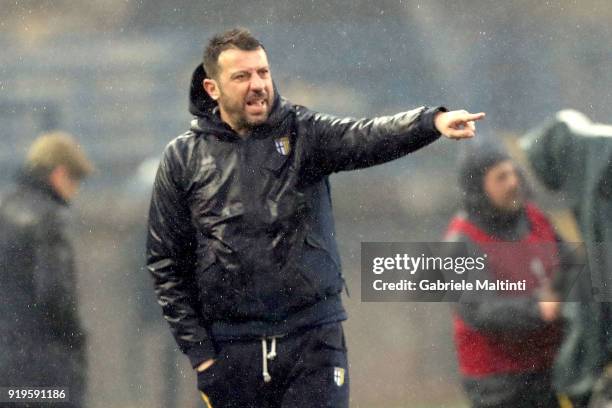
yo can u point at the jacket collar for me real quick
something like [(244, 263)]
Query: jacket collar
[(38, 182)]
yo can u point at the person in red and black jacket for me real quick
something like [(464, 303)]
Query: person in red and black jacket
[(506, 343)]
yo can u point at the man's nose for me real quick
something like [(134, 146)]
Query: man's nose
[(514, 181), (257, 84)]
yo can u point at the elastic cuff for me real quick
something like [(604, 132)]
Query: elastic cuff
[(428, 116), (201, 352)]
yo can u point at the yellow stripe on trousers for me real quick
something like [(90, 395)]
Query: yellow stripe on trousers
[(206, 400), (564, 401)]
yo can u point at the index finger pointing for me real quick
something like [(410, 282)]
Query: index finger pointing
[(474, 116)]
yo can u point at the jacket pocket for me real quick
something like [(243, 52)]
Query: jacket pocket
[(210, 282), (331, 336), (206, 261), (318, 268), (275, 162), (284, 200), (225, 293)]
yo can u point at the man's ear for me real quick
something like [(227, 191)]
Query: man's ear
[(211, 87), (58, 174), (59, 178)]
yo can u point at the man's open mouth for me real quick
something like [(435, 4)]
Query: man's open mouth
[(256, 102), (256, 105)]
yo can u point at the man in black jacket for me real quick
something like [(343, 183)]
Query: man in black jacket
[(241, 241), (42, 344)]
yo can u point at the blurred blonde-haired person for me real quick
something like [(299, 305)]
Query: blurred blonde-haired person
[(43, 342)]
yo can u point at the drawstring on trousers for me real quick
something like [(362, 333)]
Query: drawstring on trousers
[(267, 355)]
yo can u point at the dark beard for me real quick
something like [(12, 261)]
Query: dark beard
[(242, 123), (491, 217)]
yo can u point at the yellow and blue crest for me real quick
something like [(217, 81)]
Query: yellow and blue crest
[(283, 145)]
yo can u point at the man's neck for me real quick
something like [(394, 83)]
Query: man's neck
[(243, 132)]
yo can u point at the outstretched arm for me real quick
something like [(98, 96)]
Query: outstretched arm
[(337, 144)]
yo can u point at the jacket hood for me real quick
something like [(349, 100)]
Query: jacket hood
[(475, 165), (200, 104), (547, 153), (553, 146), (204, 108)]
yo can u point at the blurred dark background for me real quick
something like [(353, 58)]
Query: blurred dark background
[(116, 73)]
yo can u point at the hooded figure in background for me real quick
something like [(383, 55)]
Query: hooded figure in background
[(573, 156), (506, 342), (43, 342)]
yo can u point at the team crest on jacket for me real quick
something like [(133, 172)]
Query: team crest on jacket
[(339, 376), (283, 146)]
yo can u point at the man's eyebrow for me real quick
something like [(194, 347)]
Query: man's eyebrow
[(234, 74)]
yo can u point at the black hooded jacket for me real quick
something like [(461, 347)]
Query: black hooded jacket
[(241, 235)]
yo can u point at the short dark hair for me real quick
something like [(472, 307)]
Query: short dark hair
[(239, 38)]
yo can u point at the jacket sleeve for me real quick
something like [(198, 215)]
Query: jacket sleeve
[(497, 314), (337, 144), (171, 257)]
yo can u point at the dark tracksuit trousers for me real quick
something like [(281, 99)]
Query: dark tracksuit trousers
[(310, 369)]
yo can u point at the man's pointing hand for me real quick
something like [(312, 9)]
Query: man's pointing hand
[(457, 124)]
